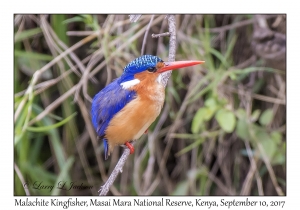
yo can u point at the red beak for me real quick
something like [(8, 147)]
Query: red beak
[(177, 65)]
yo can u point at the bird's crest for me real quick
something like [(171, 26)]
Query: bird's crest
[(138, 65), (141, 64)]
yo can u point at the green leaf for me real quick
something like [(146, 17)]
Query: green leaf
[(230, 47), (255, 115), (233, 76), (26, 34), (276, 137), (242, 129), (266, 117), (258, 85), (201, 115), (60, 28), (209, 113), (278, 159), (33, 55), (175, 94), (73, 19), (210, 102), (226, 120), (268, 144), (219, 56), (63, 174), (241, 113), (49, 127), (191, 146), (182, 188)]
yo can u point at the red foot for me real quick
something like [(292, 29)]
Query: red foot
[(130, 147), (146, 131)]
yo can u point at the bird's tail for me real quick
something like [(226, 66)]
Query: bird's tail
[(105, 148)]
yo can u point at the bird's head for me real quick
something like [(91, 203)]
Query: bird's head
[(149, 67)]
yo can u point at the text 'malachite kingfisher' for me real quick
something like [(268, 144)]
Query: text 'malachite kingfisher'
[(124, 109)]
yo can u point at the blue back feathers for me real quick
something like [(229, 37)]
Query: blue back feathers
[(110, 100)]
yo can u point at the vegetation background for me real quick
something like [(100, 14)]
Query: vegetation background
[(222, 130)]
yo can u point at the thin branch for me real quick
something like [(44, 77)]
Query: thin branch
[(134, 18), (172, 50), (79, 33), (165, 76), (253, 171), (267, 163), (119, 167), (237, 24), (161, 35), (146, 34), (22, 179)]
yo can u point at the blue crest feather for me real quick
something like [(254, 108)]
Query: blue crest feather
[(138, 65)]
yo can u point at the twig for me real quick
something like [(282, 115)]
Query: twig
[(237, 24), (134, 18), (165, 76), (172, 50), (146, 34), (21, 179), (255, 96), (253, 171), (161, 35), (267, 163), (79, 33), (218, 182), (105, 188)]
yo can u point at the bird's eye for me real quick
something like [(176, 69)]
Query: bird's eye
[(152, 69)]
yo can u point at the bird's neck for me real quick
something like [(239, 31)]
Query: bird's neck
[(149, 87)]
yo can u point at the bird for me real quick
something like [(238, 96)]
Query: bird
[(123, 110)]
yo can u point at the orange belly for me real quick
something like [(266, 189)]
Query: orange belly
[(134, 119)]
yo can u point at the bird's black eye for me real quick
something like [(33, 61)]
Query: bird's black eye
[(152, 69)]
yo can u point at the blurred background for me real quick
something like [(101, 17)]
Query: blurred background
[(222, 130)]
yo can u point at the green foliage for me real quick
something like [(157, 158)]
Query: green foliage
[(20, 36), (88, 20), (266, 117), (226, 120)]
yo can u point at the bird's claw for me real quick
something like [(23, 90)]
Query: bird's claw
[(130, 147)]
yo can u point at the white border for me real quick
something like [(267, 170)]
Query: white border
[(8, 8)]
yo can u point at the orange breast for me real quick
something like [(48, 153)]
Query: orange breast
[(135, 118)]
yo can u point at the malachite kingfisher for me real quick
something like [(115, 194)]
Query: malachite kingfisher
[(124, 109)]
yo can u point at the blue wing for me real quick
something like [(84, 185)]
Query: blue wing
[(106, 104)]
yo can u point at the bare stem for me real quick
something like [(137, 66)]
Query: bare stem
[(172, 50), (146, 34), (160, 35), (22, 179), (119, 168), (165, 76)]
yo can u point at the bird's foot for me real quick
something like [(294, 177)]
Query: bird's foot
[(130, 147), (146, 131)]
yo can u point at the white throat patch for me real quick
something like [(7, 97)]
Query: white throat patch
[(129, 84), (159, 79)]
